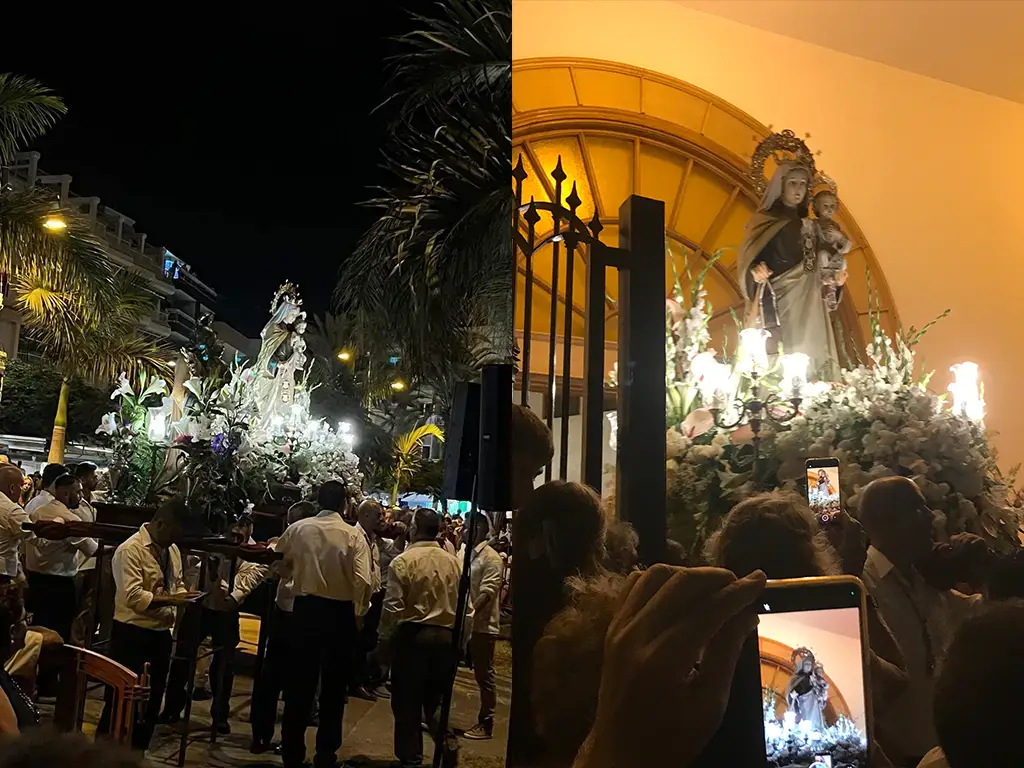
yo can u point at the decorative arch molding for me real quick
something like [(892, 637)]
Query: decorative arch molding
[(662, 138)]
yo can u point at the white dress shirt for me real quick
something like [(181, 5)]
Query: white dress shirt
[(248, 576), (56, 557), (43, 497), (919, 618), (423, 586), (87, 514), (11, 536), (139, 575), (326, 557), (485, 573), (375, 575)]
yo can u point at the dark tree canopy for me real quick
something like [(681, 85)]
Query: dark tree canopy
[(29, 403)]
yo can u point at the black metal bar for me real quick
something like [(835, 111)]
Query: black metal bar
[(640, 486), (593, 369), (556, 227), (563, 452), (532, 217)]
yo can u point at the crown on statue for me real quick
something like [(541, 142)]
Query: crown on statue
[(824, 183), (289, 289), (800, 655), (784, 147)]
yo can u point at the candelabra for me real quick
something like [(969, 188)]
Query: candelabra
[(757, 408)]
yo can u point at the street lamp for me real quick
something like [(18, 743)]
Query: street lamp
[(398, 385), (54, 222), (344, 355)]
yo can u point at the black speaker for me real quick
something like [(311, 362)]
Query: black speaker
[(494, 482), (462, 441)]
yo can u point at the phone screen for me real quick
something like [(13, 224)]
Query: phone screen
[(813, 685), (823, 489)]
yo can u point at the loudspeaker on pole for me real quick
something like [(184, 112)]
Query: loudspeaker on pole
[(494, 483)]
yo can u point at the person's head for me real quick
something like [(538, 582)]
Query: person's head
[(240, 531), (794, 187), (371, 515), (897, 520), (621, 544), (675, 553), (86, 472), (300, 510), (43, 746), (333, 497), (773, 532), (67, 490), (825, 204), (426, 525), (984, 659), (12, 482), (532, 449), (50, 473), (561, 528), (478, 528), (169, 522), (13, 620)]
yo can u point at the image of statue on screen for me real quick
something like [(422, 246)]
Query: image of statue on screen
[(807, 690)]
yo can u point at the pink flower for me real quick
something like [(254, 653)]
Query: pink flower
[(697, 423)]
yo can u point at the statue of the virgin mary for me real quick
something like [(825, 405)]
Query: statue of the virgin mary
[(777, 267), (282, 356)]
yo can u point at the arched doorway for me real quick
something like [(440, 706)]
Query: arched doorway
[(620, 130)]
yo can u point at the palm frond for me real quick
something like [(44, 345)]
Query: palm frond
[(27, 109)]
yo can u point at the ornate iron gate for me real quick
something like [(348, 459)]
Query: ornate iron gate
[(640, 402)]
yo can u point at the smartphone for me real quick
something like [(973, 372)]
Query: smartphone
[(823, 489), (812, 642)]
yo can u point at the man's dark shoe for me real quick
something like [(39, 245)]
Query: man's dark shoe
[(262, 746), (169, 718), (222, 728), (364, 693), (202, 693)]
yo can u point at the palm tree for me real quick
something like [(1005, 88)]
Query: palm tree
[(74, 253), (95, 339), (407, 455), (435, 273)]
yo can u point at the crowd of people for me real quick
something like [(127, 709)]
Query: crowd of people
[(364, 605), (632, 666)]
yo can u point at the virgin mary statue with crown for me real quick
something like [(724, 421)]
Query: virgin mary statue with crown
[(777, 267), (282, 356)]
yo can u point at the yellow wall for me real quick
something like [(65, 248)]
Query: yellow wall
[(931, 171)]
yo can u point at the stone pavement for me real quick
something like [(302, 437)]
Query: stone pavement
[(367, 735)]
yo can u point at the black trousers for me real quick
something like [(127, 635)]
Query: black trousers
[(363, 672), (54, 601), (267, 687), (198, 623), (324, 636), (135, 647), (421, 670)]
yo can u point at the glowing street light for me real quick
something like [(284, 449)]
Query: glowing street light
[(344, 355), (398, 385), (54, 222)]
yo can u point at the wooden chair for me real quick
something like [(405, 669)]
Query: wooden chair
[(83, 666)]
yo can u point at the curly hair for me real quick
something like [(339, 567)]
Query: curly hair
[(567, 666), (776, 533)]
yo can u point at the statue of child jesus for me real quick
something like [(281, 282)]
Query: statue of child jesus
[(831, 247)]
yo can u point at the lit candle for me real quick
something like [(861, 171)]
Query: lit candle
[(753, 354), (966, 391), (794, 373)]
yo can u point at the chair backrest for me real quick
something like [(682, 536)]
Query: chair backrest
[(128, 691)]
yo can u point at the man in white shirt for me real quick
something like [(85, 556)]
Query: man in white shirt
[(328, 561), (485, 574), (50, 473), (11, 518), (148, 589), (266, 689), (85, 581), (52, 564), (419, 610), (217, 618), (370, 517), (898, 523)]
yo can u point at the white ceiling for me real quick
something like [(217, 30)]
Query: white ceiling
[(977, 44)]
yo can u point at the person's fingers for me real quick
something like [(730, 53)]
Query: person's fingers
[(704, 619), (712, 685), (644, 588), (619, 616), (675, 601)]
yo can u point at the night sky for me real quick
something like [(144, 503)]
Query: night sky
[(241, 142)]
